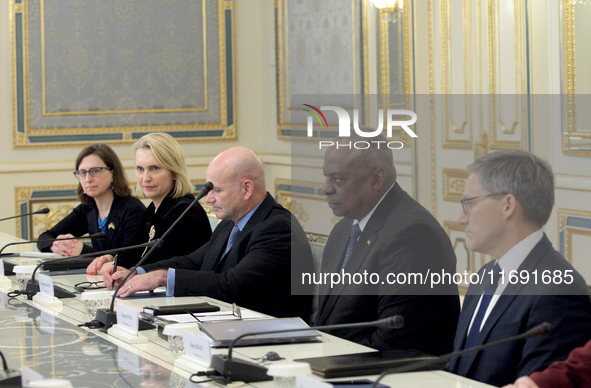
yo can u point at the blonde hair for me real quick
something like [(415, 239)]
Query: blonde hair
[(168, 154)]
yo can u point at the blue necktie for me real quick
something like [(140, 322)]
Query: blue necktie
[(233, 235), (489, 291), (355, 233)]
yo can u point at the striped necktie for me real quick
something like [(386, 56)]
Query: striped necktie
[(355, 233), (233, 235)]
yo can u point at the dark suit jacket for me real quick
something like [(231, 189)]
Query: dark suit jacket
[(400, 237), (192, 231), (257, 271), (520, 308), (122, 223)]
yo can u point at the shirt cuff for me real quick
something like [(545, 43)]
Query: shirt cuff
[(140, 271), (170, 282)]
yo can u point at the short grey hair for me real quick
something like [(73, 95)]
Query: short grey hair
[(376, 155), (522, 174)]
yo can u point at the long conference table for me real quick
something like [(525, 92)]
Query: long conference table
[(50, 343)]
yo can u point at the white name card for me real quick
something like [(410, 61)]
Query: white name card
[(1, 269), (2, 300), (127, 318), (46, 285), (197, 347), (303, 381)]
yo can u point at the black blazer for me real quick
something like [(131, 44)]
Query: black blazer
[(400, 237), (519, 308), (257, 271), (122, 223), (189, 234)]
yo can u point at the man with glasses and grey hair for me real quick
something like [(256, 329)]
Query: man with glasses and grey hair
[(508, 198)]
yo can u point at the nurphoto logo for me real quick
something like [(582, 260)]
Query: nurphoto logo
[(395, 118)]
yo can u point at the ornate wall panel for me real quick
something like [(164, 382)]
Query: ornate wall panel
[(466, 259), (96, 70), (576, 86), (59, 199), (479, 97), (307, 203), (574, 233), (321, 49), (508, 72)]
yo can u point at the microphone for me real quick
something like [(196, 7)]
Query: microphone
[(107, 317), (537, 331), (33, 286), (96, 235), (242, 370), (45, 210)]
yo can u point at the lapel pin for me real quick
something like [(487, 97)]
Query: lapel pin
[(111, 226), (368, 242)]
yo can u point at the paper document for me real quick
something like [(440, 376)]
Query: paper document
[(41, 255)]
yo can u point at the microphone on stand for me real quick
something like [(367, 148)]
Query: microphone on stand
[(45, 210), (107, 317), (33, 286), (242, 370), (96, 235), (537, 331)]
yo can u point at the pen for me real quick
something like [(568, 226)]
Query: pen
[(114, 269)]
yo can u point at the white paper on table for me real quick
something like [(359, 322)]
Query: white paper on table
[(41, 255), (147, 293)]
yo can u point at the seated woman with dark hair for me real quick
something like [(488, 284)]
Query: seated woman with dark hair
[(162, 176), (107, 206)]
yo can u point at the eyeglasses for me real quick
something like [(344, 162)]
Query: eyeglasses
[(89, 285), (236, 314), (467, 202), (94, 172)]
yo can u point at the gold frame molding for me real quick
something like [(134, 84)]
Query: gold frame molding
[(566, 240), (454, 177), (25, 137), (570, 92)]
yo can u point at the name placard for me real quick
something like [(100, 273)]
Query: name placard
[(127, 318), (197, 347), (46, 285), (1, 269)]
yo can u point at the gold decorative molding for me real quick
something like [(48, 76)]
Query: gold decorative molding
[(31, 198), (481, 148), (317, 239), (296, 208), (568, 241), (89, 131), (448, 123), (497, 124), (454, 182), (569, 231), (460, 243), (55, 215)]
